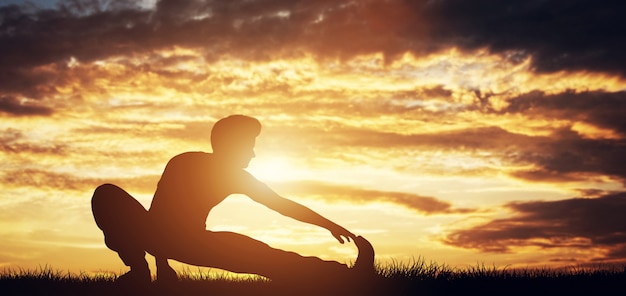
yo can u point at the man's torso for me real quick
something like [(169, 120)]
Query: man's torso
[(190, 186)]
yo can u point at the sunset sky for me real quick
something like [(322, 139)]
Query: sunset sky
[(460, 132)]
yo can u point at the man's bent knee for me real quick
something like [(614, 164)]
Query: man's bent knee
[(115, 209), (103, 204), (122, 220)]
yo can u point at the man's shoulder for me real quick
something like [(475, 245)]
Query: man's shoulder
[(192, 155), (190, 158)]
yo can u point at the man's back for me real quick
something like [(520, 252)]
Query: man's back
[(190, 186), (188, 189)]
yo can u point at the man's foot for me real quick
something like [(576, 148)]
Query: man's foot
[(165, 273), (135, 277), (365, 260)]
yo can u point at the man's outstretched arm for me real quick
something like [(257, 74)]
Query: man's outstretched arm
[(292, 209)]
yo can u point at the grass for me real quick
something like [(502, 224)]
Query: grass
[(414, 278)]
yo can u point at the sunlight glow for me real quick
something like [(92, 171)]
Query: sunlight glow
[(435, 127), (273, 169)]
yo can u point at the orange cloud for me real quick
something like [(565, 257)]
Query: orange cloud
[(334, 192)]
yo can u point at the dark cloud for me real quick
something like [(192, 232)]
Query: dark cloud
[(567, 156), (334, 192), (13, 106), (32, 38), (559, 35), (567, 152), (577, 223), (600, 108), (562, 156)]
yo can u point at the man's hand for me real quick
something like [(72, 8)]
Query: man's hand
[(340, 233)]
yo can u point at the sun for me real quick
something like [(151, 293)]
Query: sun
[(277, 169)]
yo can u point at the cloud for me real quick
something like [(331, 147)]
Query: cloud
[(14, 141), (333, 192), (43, 179), (13, 106), (488, 138), (47, 36), (577, 223), (567, 156), (563, 155), (38, 46), (600, 108), (571, 35), (551, 32)]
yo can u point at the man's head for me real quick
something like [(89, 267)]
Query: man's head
[(233, 139)]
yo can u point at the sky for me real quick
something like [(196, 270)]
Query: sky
[(455, 132)]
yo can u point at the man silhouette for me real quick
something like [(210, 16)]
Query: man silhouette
[(190, 186)]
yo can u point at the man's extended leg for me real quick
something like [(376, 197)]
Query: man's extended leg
[(239, 253), (123, 221)]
